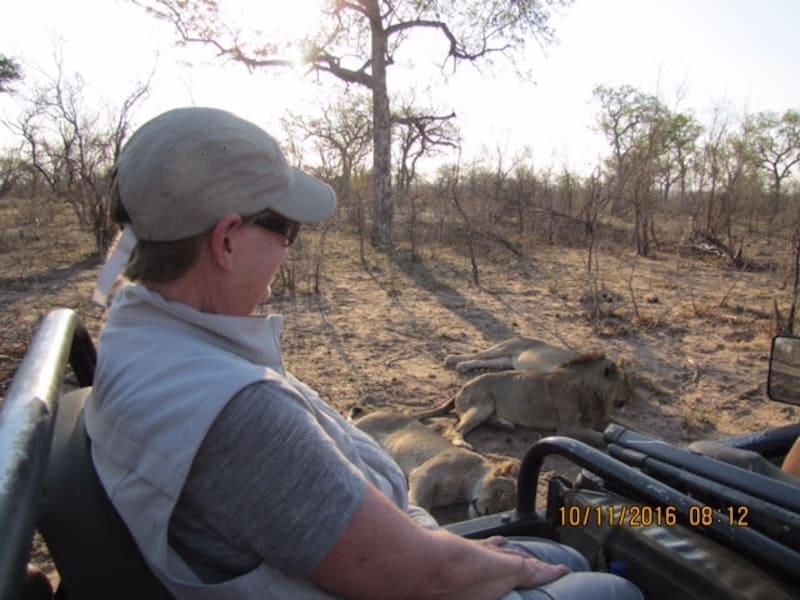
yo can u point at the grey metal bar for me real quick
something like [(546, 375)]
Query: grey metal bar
[(778, 523), (770, 443), (26, 431), (767, 488), (753, 544)]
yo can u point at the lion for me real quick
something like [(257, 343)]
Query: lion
[(574, 399), (440, 474), (514, 353)]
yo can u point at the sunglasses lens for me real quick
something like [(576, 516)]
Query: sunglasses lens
[(292, 229), (278, 224)]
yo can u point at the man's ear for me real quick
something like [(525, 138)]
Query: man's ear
[(222, 241)]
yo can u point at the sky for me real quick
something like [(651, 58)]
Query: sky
[(694, 54)]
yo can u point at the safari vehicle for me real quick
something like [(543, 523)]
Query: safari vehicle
[(678, 524)]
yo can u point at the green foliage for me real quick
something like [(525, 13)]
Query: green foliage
[(11, 172), (10, 71), (775, 140)]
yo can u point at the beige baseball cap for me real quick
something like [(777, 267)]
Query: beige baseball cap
[(184, 170)]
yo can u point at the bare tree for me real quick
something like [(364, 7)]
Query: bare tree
[(72, 148), (523, 190), (357, 43), (449, 185), (341, 136), (776, 141), (631, 121), (567, 186), (682, 133), (784, 325), (420, 133), (708, 173), (646, 139), (727, 183)]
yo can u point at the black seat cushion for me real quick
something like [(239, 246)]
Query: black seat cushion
[(92, 548)]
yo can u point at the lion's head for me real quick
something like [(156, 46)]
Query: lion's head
[(618, 384), (610, 388), (494, 493)]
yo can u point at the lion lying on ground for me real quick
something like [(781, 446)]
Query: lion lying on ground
[(440, 474), (514, 353), (574, 399)]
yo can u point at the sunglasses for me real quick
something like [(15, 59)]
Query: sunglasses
[(272, 221)]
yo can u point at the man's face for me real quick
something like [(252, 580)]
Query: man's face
[(259, 255)]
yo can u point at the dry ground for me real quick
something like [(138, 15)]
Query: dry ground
[(694, 333)]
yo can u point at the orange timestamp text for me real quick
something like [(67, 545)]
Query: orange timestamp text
[(644, 515)]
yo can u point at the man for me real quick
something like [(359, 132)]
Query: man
[(236, 479)]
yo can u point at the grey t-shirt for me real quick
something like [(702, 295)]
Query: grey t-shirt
[(267, 485)]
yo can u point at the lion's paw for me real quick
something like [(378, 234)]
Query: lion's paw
[(460, 442)]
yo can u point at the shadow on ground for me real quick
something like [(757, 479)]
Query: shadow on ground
[(32, 284), (450, 298)]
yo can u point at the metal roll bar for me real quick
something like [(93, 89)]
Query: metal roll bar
[(26, 431), (754, 484), (638, 485)]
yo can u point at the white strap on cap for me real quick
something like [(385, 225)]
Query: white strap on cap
[(115, 263)]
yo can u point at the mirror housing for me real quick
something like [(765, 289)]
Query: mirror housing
[(783, 381)]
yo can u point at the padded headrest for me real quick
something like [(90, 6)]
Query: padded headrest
[(92, 548)]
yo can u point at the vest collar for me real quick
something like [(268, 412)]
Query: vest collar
[(254, 338)]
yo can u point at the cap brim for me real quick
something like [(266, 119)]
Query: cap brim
[(309, 200)]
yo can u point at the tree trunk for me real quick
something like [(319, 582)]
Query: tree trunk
[(637, 227), (382, 207)]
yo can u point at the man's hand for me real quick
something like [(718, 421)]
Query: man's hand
[(539, 571)]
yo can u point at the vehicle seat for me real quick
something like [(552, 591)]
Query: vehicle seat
[(92, 548)]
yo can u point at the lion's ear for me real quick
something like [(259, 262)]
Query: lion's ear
[(622, 363), (355, 412), (507, 468)]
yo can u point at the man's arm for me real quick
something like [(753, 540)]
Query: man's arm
[(383, 554), (791, 462), (268, 483)]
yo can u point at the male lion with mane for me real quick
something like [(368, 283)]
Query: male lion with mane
[(440, 474), (575, 399)]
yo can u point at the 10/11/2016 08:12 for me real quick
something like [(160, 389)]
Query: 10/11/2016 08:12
[(643, 515)]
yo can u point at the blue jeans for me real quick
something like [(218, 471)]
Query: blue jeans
[(581, 583)]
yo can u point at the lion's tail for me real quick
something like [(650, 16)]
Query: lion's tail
[(440, 410)]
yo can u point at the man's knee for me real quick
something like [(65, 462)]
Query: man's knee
[(551, 552), (580, 585)]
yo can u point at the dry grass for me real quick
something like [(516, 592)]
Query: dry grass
[(46, 261), (694, 333)]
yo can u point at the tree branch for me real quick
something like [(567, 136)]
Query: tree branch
[(190, 33), (457, 50), (330, 64)]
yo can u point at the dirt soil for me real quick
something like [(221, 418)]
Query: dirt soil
[(694, 334)]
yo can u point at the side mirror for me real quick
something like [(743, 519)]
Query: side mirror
[(783, 382)]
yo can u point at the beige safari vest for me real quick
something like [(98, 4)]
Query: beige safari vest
[(164, 373)]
